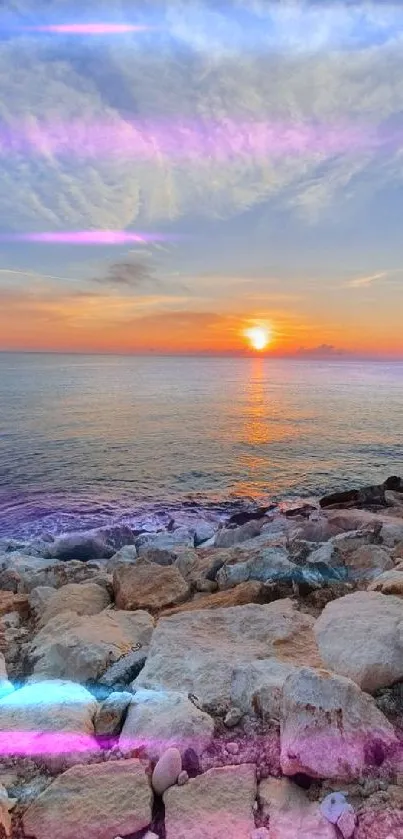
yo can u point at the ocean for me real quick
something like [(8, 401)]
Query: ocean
[(87, 440)]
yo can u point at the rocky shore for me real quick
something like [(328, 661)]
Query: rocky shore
[(199, 682)]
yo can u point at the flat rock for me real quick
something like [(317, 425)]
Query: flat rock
[(161, 719), (330, 728), (36, 712), (148, 586), (391, 582), (361, 636), (257, 687), (83, 647), (80, 598), (198, 651), (239, 596), (292, 815), (93, 802), (214, 805)]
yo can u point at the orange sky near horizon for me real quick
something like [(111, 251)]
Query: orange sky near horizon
[(106, 322)]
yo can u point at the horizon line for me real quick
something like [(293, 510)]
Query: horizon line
[(211, 354)]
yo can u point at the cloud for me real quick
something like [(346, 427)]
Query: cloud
[(364, 282), (288, 66), (129, 274), (322, 351)]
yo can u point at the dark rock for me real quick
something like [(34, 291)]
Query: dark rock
[(369, 496), (249, 515), (191, 763), (213, 571), (125, 670), (92, 544)]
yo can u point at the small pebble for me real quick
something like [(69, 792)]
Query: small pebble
[(167, 770), (233, 717), (183, 778), (232, 748), (346, 823)]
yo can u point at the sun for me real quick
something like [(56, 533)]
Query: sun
[(258, 337)]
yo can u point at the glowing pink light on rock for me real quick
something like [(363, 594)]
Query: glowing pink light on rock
[(90, 28)]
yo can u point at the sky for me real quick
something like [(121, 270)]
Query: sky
[(174, 173)]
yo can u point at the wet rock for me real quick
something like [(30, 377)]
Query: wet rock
[(216, 804), (257, 687), (203, 532), (360, 636), (148, 587), (239, 596), (159, 719), (292, 815), (80, 598), (368, 496), (198, 651), (271, 564), (329, 728), (255, 514), (226, 538), (92, 802), (167, 770), (83, 647), (125, 670), (93, 544), (111, 714)]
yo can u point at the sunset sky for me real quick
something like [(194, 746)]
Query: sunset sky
[(256, 146)]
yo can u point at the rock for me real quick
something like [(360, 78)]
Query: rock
[(24, 573), (126, 554), (260, 833), (391, 582), (111, 714), (82, 647), (392, 533), (167, 770), (5, 686), (183, 778), (269, 564), (159, 719), (233, 717), (49, 717), (92, 544), (226, 538), (257, 687), (92, 802), (217, 804), (197, 652), (181, 537), (125, 670), (254, 514), (333, 806), (10, 602), (239, 596), (329, 728), (160, 556), (6, 805), (80, 598), (360, 636), (203, 532), (365, 497), (292, 815), (148, 587), (367, 562), (346, 823), (38, 599)]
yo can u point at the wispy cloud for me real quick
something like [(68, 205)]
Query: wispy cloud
[(364, 282)]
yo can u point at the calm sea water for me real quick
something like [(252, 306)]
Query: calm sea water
[(90, 439)]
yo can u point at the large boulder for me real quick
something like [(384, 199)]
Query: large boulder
[(82, 599), (367, 562), (290, 812), (148, 586), (199, 651), (23, 573), (92, 544), (217, 804), (93, 802), (82, 647), (330, 728), (391, 582), (158, 720), (361, 636), (47, 717)]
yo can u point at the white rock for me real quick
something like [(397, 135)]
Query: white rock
[(197, 652), (330, 728), (167, 770), (257, 686), (215, 805), (361, 636), (157, 720), (292, 815)]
